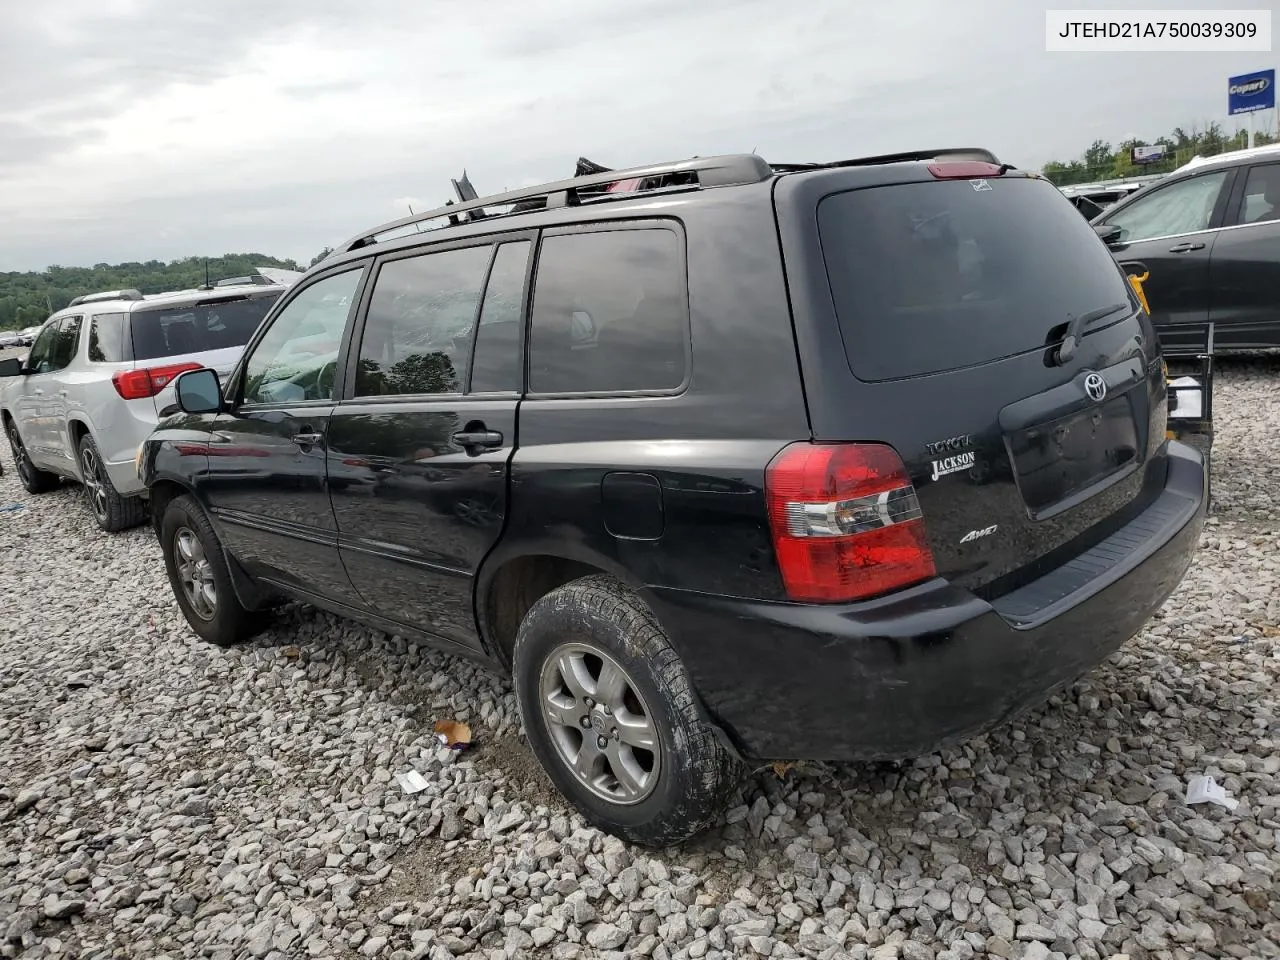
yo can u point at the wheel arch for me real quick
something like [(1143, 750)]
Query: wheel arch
[(512, 580)]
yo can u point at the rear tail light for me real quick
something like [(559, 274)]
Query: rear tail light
[(846, 522), (147, 382)]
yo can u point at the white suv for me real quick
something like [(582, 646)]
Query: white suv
[(99, 377)]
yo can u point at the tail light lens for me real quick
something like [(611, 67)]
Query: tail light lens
[(846, 522), (147, 382)]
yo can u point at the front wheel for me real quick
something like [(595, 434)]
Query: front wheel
[(113, 511), (199, 576), (33, 479), (610, 713)]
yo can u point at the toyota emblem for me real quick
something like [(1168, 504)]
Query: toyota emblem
[(1095, 387)]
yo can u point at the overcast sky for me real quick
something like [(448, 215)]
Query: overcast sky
[(141, 129)]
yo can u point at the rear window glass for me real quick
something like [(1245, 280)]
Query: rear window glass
[(941, 275), (177, 331)]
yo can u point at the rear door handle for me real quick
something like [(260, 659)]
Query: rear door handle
[(62, 393), (1186, 247), (307, 438), (477, 438), (38, 391)]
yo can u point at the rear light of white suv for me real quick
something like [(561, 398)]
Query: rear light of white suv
[(148, 381), (846, 522)]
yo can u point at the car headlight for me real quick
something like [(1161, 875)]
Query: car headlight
[(137, 460)]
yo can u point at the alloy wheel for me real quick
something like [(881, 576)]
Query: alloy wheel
[(94, 481), (21, 461), (602, 729), (195, 575)]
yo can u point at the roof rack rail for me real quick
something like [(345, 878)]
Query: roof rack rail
[(106, 295), (722, 171), (948, 153)]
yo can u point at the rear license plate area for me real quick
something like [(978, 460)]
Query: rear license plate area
[(1055, 460)]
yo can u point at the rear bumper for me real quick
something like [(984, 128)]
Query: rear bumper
[(124, 477), (906, 674)]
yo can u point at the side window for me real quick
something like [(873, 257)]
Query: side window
[(1261, 194), (296, 358), (417, 335), (65, 342), (1179, 208), (498, 363), (40, 358), (106, 338), (610, 313)]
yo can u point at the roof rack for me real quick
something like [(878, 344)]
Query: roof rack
[(729, 170), (106, 295)]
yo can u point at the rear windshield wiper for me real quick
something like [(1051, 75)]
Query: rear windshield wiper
[(1075, 330)]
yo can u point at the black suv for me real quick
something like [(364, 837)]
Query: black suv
[(827, 461)]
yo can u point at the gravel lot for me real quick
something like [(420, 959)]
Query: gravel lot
[(162, 798)]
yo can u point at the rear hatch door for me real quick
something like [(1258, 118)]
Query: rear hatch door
[(994, 343)]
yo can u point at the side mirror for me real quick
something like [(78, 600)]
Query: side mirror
[(1109, 233), (199, 391), (11, 367)]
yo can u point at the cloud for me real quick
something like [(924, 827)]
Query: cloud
[(140, 129)]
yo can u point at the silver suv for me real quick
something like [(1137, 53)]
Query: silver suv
[(99, 377)]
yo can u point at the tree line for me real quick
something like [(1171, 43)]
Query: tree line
[(1101, 161), (27, 298)]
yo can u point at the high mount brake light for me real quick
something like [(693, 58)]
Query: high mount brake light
[(149, 381), (965, 170), (846, 523)]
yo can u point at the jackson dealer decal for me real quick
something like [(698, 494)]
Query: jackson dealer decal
[(961, 461)]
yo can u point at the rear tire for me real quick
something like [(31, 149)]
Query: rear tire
[(113, 511), (34, 480), (596, 679), (198, 573)]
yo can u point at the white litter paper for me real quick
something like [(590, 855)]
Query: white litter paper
[(411, 782), (1187, 399), (1205, 790)]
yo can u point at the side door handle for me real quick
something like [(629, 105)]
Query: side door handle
[(38, 391), (62, 393), (307, 438), (477, 437), (1186, 247)]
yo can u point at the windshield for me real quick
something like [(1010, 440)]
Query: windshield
[(212, 325), (947, 274)]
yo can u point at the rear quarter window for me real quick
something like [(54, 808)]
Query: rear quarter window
[(940, 275), (610, 313), (106, 338)]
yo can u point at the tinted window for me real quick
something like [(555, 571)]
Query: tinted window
[(498, 361), (1262, 194), (210, 325), (417, 336), (296, 358), (1183, 207), (40, 357), (939, 275), (609, 313), (106, 338), (65, 342)]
